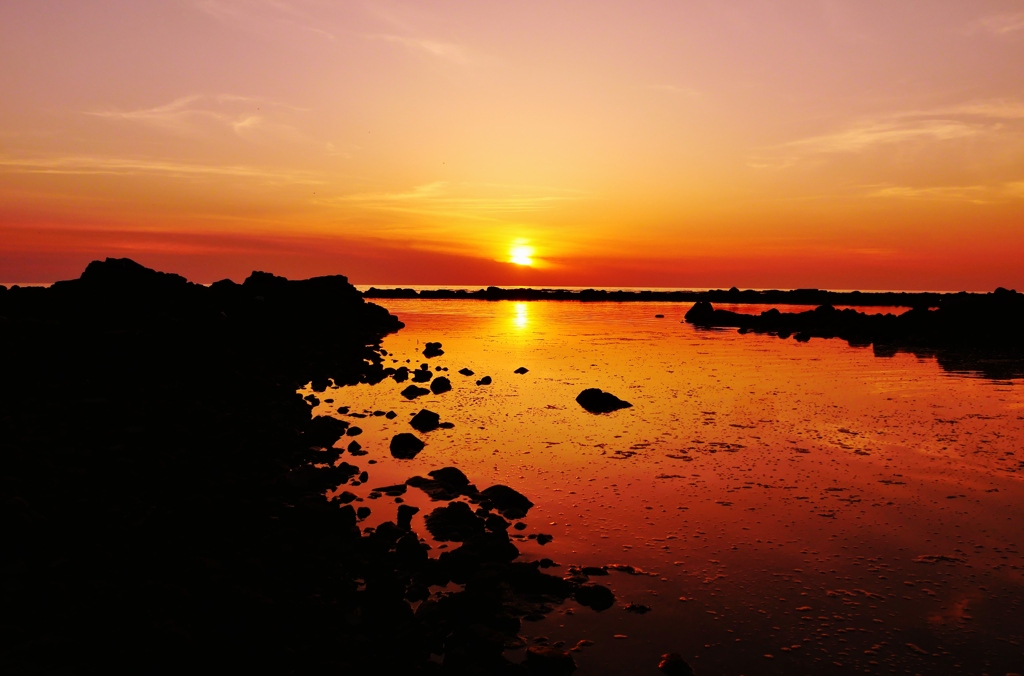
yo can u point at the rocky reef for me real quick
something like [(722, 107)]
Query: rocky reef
[(980, 333), (164, 493)]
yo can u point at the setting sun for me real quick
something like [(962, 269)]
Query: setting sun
[(521, 255)]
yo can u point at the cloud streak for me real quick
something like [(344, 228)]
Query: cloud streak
[(91, 165), (977, 119), (973, 194), (193, 114), (999, 24), (442, 50), (441, 199), (263, 17)]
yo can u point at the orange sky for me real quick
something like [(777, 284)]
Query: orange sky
[(755, 143)]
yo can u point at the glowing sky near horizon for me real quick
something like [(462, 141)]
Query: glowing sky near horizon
[(755, 143)]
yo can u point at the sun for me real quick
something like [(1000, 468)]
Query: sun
[(521, 255)]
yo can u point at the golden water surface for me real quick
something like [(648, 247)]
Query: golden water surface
[(795, 507)]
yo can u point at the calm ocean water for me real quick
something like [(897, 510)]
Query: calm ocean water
[(795, 508)]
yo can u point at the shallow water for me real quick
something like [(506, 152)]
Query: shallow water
[(796, 506)]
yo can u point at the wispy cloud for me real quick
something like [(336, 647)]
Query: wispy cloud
[(263, 17), (999, 24), (442, 50), (974, 194), (482, 202), (189, 115), (924, 126), (92, 165)]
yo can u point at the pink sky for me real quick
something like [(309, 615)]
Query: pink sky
[(818, 143)]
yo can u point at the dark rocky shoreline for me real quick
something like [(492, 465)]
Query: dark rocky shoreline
[(980, 333), (731, 296), (163, 491)]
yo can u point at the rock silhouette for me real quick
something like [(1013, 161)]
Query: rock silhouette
[(982, 333), (405, 446), (440, 385), (595, 596), (599, 401), (195, 516), (414, 391), (431, 350), (425, 421)]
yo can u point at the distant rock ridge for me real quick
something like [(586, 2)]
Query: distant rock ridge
[(968, 332), (733, 295)]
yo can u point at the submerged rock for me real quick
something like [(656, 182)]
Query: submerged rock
[(598, 401), (406, 446), (542, 659), (413, 391), (595, 596), (673, 664)]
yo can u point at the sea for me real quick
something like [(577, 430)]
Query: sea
[(763, 507)]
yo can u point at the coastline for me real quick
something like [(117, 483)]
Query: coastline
[(164, 491), (815, 297)]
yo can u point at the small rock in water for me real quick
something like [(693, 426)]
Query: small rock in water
[(413, 391), (390, 415), (673, 664), (595, 596), (466, 372), (659, 316), (405, 446), (421, 375), (637, 608), (543, 659), (440, 385), (450, 477), (432, 350), (486, 380), (521, 370), (354, 431), (510, 502), (425, 421), (544, 538), (363, 512), (401, 374), (598, 401)]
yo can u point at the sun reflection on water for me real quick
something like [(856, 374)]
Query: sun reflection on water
[(521, 318)]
